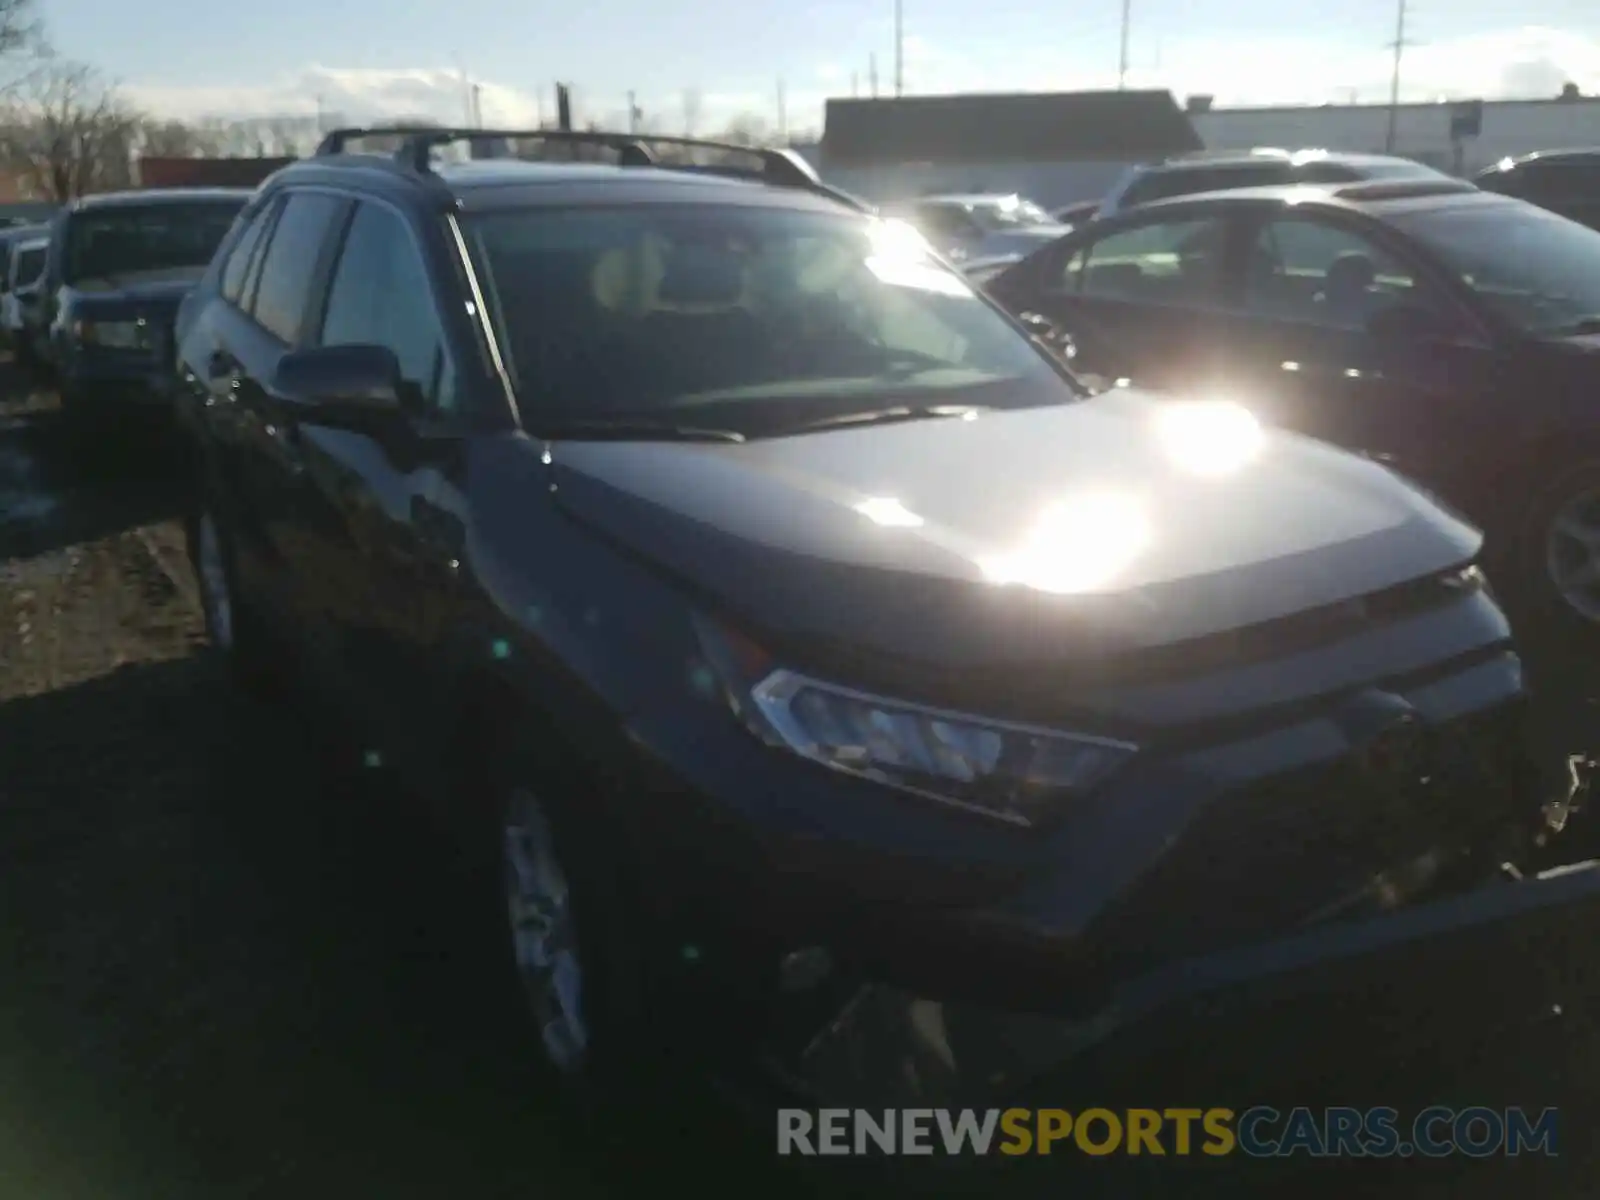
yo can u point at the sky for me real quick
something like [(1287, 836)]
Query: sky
[(363, 59)]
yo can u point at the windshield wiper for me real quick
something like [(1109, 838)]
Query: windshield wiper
[(630, 429), (886, 416)]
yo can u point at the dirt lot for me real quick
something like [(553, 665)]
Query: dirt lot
[(225, 978)]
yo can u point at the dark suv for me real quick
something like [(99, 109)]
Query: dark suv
[(117, 266), (1564, 181), (808, 655)]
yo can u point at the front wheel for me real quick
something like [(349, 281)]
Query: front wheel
[(231, 629), (544, 934)]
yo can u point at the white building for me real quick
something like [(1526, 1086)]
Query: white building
[(1422, 131)]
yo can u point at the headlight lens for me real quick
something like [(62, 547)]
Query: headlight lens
[(1009, 772), (120, 335)]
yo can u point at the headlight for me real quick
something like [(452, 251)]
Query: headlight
[(119, 335), (1003, 770)]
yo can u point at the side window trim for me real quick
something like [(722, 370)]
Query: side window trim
[(268, 216), (445, 366)]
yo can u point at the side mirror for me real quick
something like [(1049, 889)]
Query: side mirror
[(352, 386), (1050, 334)]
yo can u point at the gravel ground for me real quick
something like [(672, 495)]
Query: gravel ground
[(224, 978)]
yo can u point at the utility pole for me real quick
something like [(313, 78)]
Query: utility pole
[(477, 106), (633, 113), (320, 123), (899, 48), (1394, 80), (1122, 62), (872, 75), (783, 116)]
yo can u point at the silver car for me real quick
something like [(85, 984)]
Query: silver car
[(980, 225)]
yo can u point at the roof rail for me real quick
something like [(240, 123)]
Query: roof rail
[(774, 166), (1404, 189), (337, 141)]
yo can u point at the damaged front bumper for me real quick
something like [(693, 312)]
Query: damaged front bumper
[(887, 1047)]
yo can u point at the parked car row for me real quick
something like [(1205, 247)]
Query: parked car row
[(22, 252), (828, 685)]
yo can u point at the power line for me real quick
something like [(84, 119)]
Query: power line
[(1399, 45), (899, 48), (1122, 62)]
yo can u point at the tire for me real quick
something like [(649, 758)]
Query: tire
[(610, 991), (234, 633)]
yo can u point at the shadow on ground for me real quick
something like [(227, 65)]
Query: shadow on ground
[(226, 980)]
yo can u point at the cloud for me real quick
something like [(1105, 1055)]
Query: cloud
[(1526, 62), (357, 96)]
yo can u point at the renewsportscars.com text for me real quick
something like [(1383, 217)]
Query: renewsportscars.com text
[(1257, 1132)]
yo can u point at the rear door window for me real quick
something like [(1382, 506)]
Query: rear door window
[(1164, 262), (292, 260)]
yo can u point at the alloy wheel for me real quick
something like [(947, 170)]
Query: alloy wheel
[(543, 933)]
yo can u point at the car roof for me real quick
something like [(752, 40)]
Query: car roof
[(152, 196), (1241, 158), (1551, 156), (1377, 197), (487, 184)]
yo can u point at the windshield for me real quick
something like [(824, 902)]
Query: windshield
[(748, 317), (29, 265), (106, 242), (1539, 271), (1010, 212)]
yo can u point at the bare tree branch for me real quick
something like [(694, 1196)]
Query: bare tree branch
[(22, 43), (66, 132)]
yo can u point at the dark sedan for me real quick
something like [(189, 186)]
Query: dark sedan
[(1449, 332), (118, 266)]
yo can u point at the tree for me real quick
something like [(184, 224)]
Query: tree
[(68, 132), (21, 40), (175, 139), (746, 129)]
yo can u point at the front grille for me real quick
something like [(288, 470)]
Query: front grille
[(1258, 863)]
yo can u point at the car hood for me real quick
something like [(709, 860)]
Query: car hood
[(1092, 526)]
